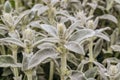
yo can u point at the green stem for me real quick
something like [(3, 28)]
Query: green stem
[(3, 50), (51, 70), (51, 13), (91, 12), (29, 74), (91, 58), (63, 65), (16, 4), (15, 69)]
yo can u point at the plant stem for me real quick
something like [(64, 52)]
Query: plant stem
[(16, 4), (51, 70), (29, 76), (15, 69), (51, 13), (91, 59), (63, 64), (2, 50)]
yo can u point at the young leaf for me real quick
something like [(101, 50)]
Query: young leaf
[(7, 7), (25, 62), (75, 47), (40, 56)]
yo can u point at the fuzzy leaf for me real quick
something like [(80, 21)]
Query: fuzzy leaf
[(72, 28), (114, 37), (6, 72), (3, 27), (96, 22), (7, 7), (109, 17), (98, 47), (82, 34), (53, 2), (103, 36), (25, 62), (40, 56), (117, 1), (49, 29), (40, 8), (52, 40), (21, 16), (91, 72), (35, 24), (7, 61), (116, 47), (13, 41), (102, 29), (77, 76), (75, 47), (45, 45)]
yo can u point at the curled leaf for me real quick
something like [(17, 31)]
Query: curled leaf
[(109, 17)]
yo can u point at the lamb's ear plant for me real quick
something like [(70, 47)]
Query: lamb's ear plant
[(59, 39), (65, 42), (9, 26), (31, 60), (70, 40)]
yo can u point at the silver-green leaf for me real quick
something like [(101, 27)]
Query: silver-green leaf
[(116, 47), (49, 29), (7, 61), (82, 34), (40, 56), (13, 41), (109, 17), (75, 47), (7, 7)]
